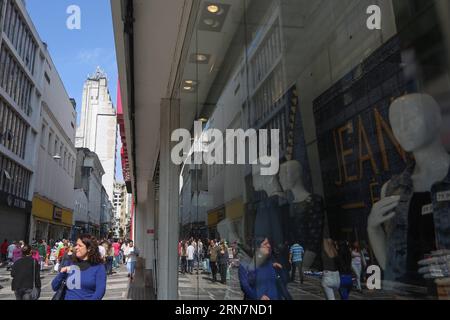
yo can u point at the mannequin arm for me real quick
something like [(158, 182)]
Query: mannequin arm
[(382, 212), (377, 238)]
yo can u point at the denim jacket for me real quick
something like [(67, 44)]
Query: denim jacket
[(397, 228)]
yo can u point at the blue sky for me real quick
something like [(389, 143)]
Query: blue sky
[(77, 53)]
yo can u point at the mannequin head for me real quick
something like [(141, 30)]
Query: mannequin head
[(416, 121), (290, 174)]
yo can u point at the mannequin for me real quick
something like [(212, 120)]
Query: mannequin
[(268, 210), (306, 212), (291, 179), (416, 122), (269, 184)]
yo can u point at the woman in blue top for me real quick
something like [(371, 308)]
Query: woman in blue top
[(85, 274), (260, 279)]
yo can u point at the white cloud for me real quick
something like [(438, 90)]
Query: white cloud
[(91, 56)]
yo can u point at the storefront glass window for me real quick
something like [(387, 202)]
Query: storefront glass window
[(317, 165)]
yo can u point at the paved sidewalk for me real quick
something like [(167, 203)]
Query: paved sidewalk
[(118, 285), (199, 286)]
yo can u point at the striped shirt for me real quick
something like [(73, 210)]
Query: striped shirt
[(297, 253)]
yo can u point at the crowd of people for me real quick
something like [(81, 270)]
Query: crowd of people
[(265, 277), (212, 256), (266, 272), (95, 259)]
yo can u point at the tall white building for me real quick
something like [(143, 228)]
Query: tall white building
[(98, 126), (120, 206)]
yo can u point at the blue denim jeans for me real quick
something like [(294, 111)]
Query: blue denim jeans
[(346, 286), (131, 267)]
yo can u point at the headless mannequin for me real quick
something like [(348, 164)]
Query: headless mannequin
[(416, 122), (291, 180), (269, 184), (267, 224)]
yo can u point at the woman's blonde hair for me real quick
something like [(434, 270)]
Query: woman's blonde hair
[(330, 248)]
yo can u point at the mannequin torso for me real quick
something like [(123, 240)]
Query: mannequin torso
[(415, 121)]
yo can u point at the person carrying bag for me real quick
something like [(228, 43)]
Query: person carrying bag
[(35, 292), (60, 294), (26, 282)]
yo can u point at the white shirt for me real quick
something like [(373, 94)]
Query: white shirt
[(11, 248), (130, 254), (190, 252), (102, 251)]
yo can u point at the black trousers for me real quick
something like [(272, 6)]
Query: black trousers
[(183, 265), (23, 294), (223, 272), (213, 266)]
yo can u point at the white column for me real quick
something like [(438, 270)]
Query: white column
[(168, 205), (140, 221)]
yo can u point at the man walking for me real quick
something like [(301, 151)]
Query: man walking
[(42, 249), (116, 246), (296, 259), (213, 251), (190, 258)]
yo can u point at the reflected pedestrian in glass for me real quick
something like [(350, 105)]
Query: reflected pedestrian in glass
[(331, 279), (183, 257), (259, 278), (345, 270), (296, 253), (357, 264), (222, 260), (213, 251)]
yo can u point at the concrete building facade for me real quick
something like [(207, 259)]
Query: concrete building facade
[(97, 130), (88, 179), (32, 99)]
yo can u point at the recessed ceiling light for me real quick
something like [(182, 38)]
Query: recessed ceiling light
[(201, 57), (213, 8), (209, 22), (187, 88), (190, 83)]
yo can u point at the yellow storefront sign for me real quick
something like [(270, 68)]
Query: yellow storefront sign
[(234, 209), (213, 218), (47, 210)]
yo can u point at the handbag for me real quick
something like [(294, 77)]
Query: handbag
[(60, 294), (35, 292)]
